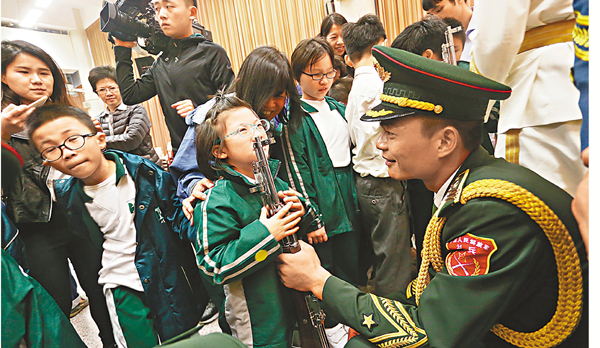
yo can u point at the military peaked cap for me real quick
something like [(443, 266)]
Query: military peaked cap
[(417, 85)]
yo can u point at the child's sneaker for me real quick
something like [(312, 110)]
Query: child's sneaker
[(83, 302)]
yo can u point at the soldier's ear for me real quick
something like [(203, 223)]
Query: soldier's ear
[(449, 140)]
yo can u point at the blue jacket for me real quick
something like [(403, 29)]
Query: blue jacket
[(165, 263)]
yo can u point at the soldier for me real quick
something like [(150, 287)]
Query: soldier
[(503, 261)]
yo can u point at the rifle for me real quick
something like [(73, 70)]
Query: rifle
[(308, 311), (448, 52)]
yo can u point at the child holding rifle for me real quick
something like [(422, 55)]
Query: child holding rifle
[(236, 241)]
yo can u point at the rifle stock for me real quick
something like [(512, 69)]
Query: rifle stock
[(308, 311)]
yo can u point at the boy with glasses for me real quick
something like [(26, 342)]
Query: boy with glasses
[(127, 207), (127, 127)]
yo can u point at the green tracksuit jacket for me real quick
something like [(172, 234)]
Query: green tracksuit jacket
[(236, 255)]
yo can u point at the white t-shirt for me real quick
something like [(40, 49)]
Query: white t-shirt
[(113, 209), (334, 131)]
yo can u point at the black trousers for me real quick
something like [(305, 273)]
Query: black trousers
[(47, 248)]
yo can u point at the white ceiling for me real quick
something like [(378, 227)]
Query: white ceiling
[(58, 15)]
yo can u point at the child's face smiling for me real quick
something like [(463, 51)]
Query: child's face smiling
[(86, 163), (237, 149), (316, 90)]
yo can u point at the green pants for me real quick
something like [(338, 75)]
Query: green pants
[(133, 320)]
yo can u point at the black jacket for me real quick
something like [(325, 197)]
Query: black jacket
[(29, 198), (191, 68)]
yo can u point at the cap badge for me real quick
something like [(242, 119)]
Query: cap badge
[(383, 75)]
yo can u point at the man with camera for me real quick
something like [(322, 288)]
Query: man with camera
[(189, 70)]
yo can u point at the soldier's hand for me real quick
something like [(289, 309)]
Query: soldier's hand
[(580, 204), (197, 193), (303, 271), (129, 44), (183, 107), (280, 225)]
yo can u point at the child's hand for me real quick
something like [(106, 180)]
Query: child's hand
[(292, 196), (197, 193), (280, 225), (183, 107), (318, 236)]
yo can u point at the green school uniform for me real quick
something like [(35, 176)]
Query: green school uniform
[(236, 255), (308, 169)]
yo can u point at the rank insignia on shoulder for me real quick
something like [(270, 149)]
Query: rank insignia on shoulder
[(368, 321), (470, 255)]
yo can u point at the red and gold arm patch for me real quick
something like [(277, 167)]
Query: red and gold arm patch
[(469, 255)]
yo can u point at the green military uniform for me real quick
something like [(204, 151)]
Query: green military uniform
[(503, 261)]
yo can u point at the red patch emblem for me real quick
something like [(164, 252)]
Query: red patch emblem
[(469, 255)]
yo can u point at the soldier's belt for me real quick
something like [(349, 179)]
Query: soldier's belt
[(548, 34)]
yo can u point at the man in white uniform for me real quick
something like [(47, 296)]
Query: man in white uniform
[(527, 45)]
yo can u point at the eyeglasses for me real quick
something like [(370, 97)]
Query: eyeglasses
[(112, 89), (247, 130), (318, 77), (74, 142)]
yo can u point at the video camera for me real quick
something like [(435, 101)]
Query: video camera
[(128, 20)]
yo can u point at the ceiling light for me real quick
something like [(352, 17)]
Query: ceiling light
[(43, 3), (31, 18)]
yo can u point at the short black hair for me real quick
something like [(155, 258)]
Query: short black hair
[(340, 65), (51, 112), (454, 23), (341, 88), (100, 73), (361, 36), (329, 21), (422, 35), (429, 4), (308, 52)]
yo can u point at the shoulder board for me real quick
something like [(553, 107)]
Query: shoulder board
[(454, 191)]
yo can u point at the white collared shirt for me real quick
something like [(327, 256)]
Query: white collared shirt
[(470, 33), (439, 195)]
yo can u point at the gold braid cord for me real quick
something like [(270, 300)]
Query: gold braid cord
[(570, 282)]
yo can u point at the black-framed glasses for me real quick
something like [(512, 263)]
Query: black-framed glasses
[(318, 77), (74, 142)]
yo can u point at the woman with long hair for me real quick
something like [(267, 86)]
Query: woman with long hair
[(331, 30), (28, 74)]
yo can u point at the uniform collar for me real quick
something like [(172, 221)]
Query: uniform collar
[(310, 109)]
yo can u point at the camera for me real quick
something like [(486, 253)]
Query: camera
[(130, 20)]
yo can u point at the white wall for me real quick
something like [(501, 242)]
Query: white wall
[(352, 10)]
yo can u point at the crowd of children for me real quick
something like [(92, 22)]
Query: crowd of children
[(150, 247)]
